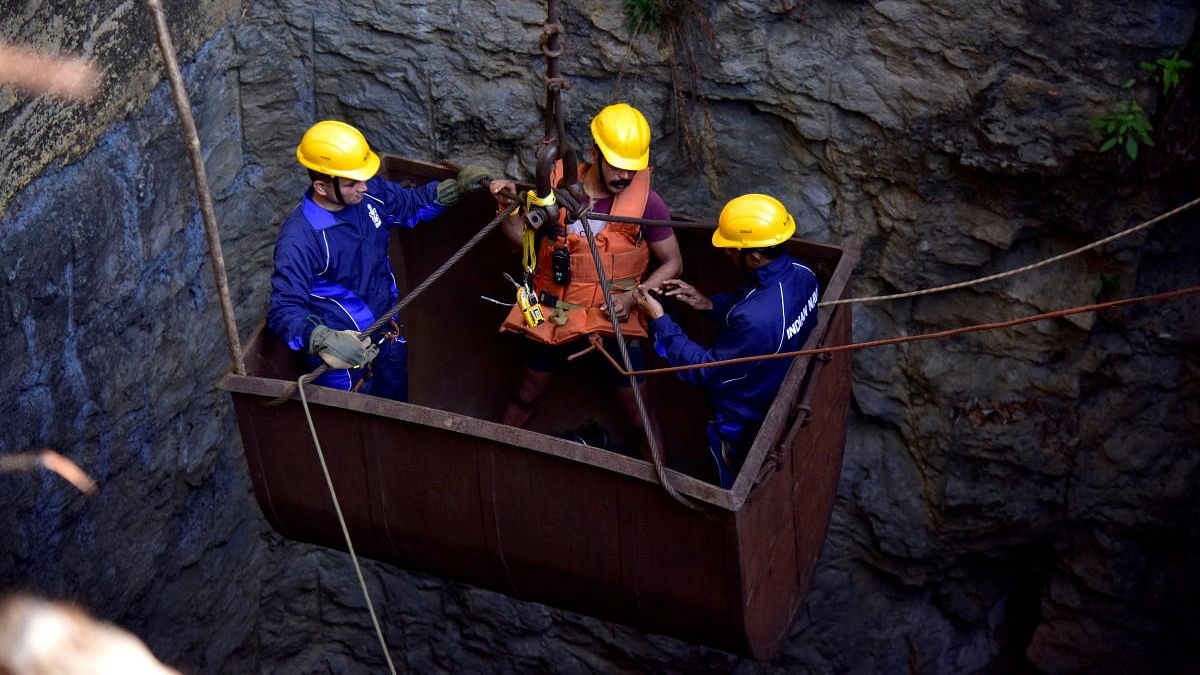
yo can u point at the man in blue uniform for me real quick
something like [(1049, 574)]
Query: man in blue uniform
[(774, 312), (332, 275)]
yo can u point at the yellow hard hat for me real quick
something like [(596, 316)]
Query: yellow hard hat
[(337, 149), (753, 221), (623, 136)]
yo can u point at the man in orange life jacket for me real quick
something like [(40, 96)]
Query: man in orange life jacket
[(773, 312), (616, 183)]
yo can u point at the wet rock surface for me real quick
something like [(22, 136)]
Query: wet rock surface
[(1015, 501)]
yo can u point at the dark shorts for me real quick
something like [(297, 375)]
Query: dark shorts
[(545, 358)]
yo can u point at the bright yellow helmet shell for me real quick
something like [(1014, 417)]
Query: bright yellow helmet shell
[(337, 149), (753, 221), (623, 136)]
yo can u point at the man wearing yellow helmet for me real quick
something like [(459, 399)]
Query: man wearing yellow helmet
[(332, 275), (617, 182), (773, 312)]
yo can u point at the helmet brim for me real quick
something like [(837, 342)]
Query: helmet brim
[(719, 240), (368, 170)]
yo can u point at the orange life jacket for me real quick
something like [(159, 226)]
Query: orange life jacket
[(624, 254)]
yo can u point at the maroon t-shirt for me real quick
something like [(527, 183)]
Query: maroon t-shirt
[(656, 209)]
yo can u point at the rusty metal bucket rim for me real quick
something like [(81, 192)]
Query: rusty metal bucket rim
[(271, 388)]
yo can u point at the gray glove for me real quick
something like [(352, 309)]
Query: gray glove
[(341, 349), (470, 177)]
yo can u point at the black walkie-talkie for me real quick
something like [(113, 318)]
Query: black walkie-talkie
[(560, 261)]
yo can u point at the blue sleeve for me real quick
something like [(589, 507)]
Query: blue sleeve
[(296, 266), (407, 206), (721, 302), (740, 339)]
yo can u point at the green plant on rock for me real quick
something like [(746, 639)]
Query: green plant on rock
[(1166, 70), (681, 27), (1126, 125), (643, 16), (1105, 285)]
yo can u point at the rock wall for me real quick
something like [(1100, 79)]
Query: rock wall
[(1011, 501)]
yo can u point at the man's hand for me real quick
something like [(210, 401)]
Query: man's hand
[(685, 293), (649, 304), (341, 349), (470, 177), (502, 190), (621, 303), (448, 192)]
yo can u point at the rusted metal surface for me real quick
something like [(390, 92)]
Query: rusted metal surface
[(437, 485)]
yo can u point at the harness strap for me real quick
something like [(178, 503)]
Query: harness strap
[(528, 249)]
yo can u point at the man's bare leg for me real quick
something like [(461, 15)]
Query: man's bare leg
[(519, 409)]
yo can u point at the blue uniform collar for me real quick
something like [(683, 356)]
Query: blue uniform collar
[(768, 273), (316, 216)]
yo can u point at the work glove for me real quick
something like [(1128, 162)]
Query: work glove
[(470, 177), (341, 349)]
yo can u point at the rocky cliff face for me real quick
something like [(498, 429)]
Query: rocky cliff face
[(1011, 501)]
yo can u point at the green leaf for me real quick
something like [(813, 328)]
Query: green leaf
[(1148, 67), (1131, 147), (1128, 83), (1109, 144)]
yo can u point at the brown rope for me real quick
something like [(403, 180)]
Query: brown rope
[(192, 140), (914, 338)]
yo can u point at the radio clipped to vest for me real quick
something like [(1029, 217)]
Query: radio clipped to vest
[(560, 264)]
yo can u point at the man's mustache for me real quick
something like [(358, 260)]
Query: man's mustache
[(620, 183)]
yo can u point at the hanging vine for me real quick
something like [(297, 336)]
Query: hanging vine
[(681, 25)]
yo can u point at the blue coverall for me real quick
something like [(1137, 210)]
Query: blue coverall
[(774, 313), (332, 268)]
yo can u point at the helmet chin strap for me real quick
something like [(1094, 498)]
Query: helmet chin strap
[(337, 191)]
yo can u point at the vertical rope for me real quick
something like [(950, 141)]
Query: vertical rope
[(337, 507), (192, 141)]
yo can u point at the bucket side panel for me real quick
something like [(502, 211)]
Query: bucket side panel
[(556, 529), (292, 472), (768, 555), (426, 487), (680, 568), (818, 454)]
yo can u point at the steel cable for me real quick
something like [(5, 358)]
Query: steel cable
[(938, 289)]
